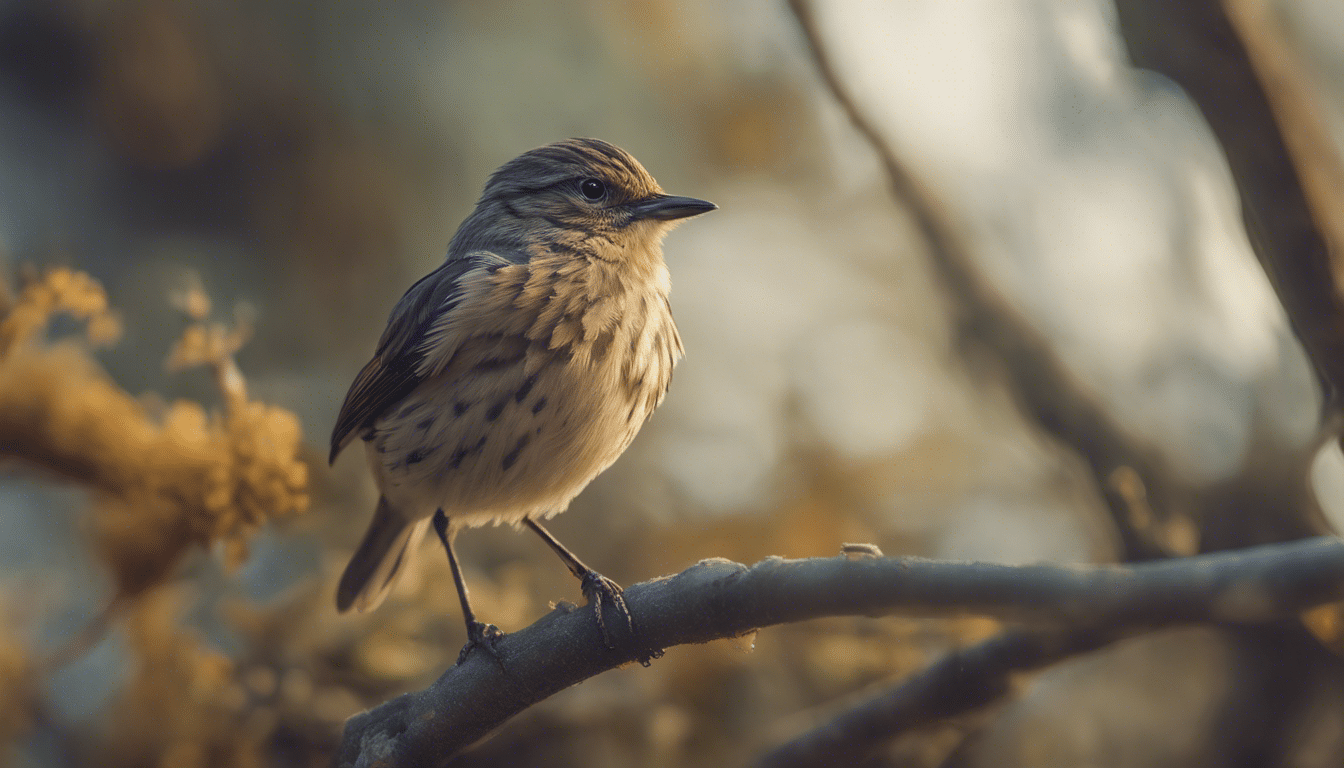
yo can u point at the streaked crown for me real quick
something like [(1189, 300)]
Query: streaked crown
[(572, 159)]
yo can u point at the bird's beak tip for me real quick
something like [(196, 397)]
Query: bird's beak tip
[(672, 207)]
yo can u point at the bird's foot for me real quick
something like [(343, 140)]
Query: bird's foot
[(485, 637), (602, 592)]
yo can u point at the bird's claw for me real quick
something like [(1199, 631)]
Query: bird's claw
[(483, 636), (602, 591)]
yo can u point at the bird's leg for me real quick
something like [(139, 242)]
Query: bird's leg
[(596, 587), (479, 635)]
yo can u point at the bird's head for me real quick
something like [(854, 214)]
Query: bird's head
[(576, 192)]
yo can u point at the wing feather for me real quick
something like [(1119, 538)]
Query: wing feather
[(398, 366)]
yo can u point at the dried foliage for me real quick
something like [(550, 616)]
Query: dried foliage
[(182, 706), (16, 679), (164, 482)]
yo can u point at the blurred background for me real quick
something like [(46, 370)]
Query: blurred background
[(303, 163)]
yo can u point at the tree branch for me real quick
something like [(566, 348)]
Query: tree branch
[(719, 599), (958, 682), (1205, 56), (1197, 45), (1131, 478)]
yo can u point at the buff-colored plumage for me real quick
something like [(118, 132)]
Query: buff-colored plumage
[(523, 367)]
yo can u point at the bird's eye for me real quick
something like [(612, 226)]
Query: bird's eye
[(593, 189)]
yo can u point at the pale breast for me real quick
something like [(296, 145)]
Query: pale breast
[(517, 425)]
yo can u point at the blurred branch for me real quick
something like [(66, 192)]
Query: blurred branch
[(87, 637), (1043, 388), (1231, 60), (1196, 44), (718, 599), (957, 683), (1215, 69)]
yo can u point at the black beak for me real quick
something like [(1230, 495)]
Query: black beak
[(669, 207)]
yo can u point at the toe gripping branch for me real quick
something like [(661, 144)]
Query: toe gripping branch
[(600, 592)]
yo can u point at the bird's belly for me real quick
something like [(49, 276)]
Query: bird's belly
[(500, 445)]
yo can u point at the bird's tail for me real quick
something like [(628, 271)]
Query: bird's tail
[(384, 552)]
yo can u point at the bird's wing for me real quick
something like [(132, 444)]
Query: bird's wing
[(414, 340)]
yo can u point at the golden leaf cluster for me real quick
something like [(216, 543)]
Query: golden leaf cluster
[(17, 681), (163, 482), (182, 706)]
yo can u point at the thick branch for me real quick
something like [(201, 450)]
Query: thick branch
[(1194, 44), (718, 599)]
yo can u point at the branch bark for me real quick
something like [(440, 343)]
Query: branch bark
[(718, 599)]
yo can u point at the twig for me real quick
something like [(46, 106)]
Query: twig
[(956, 683), (718, 599)]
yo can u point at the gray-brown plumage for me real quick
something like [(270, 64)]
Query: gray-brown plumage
[(512, 375)]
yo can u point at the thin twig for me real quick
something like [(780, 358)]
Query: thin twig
[(720, 599), (956, 683)]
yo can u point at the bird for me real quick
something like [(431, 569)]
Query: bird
[(519, 369)]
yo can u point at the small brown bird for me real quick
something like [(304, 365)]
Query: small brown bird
[(512, 375)]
